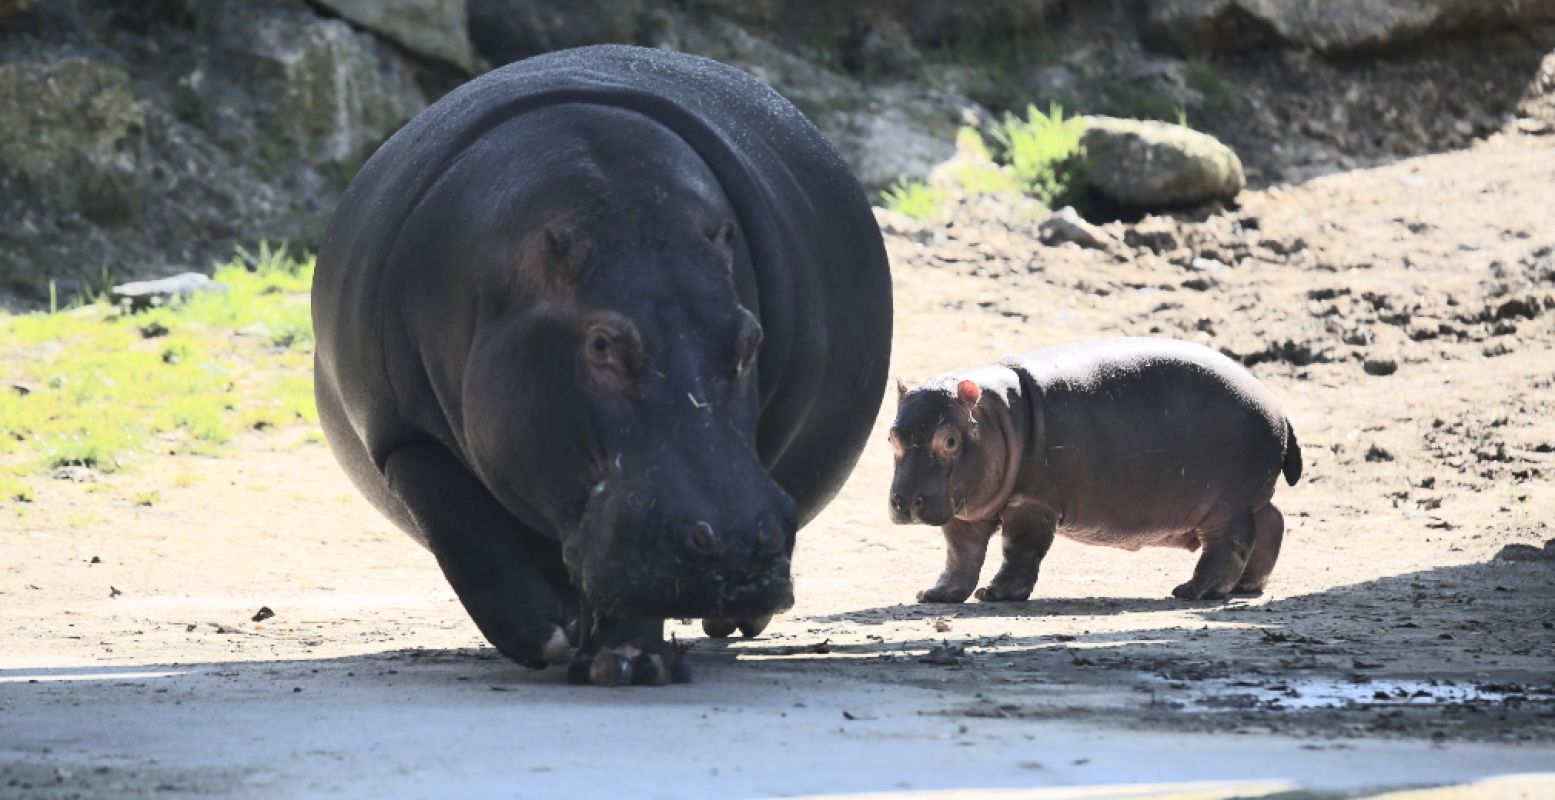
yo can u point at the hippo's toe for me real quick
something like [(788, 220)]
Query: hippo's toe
[(1192, 591)]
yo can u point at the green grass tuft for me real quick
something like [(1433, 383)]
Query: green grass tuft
[(1043, 152), (1202, 76), (914, 198), (105, 387)]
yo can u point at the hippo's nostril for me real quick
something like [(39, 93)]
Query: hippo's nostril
[(701, 537), (898, 502), (917, 502), (769, 536)]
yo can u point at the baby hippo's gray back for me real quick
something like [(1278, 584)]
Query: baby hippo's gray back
[(1138, 441)]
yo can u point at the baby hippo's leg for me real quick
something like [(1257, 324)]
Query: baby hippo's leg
[(966, 545), (1268, 531), (1227, 542), (1027, 537)]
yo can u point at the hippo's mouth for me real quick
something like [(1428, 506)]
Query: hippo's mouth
[(647, 592)]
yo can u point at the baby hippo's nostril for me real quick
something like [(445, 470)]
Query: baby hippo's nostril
[(917, 502), (898, 502), (700, 538)]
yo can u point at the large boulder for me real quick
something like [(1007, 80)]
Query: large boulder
[(320, 89), (886, 130), (508, 30), (71, 138), (10, 8), (1200, 26), (435, 29), (1146, 165), (928, 22)]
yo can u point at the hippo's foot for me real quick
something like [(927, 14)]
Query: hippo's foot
[(724, 627), (942, 593), (1248, 589), (631, 665), (1001, 592), (622, 652), (1193, 591)]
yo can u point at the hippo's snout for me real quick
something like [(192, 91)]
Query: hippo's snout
[(763, 540), (720, 555)]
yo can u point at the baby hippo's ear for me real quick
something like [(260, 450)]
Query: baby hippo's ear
[(968, 392), (901, 389)]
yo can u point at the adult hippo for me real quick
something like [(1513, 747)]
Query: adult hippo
[(602, 329)]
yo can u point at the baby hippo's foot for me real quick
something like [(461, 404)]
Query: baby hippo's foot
[(945, 593), (622, 653), (1248, 588), (723, 627), (1194, 591), (1009, 585)]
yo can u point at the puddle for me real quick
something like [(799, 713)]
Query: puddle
[(1298, 694)]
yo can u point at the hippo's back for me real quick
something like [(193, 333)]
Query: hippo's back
[(1155, 417)]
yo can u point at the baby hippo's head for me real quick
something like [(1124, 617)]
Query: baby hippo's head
[(938, 458)]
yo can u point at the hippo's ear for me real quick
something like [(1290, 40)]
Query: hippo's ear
[(968, 392), (565, 252), (722, 240), (901, 389)]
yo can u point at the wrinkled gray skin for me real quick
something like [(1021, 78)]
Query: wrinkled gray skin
[(601, 329), (1121, 442)]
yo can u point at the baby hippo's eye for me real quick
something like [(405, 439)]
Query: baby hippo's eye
[(600, 343), (950, 442)]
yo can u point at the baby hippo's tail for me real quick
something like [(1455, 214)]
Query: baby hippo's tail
[(1291, 466)]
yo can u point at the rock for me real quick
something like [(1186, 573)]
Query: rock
[(341, 92), (1156, 234), (1499, 346), (1376, 453), (435, 29), (1146, 165), (143, 295), (1065, 225), (71, 138), (1527, 552), (886, 131), (882, 47), (1537, 106), (1379, 365), (508, 30), (886, 142), (1202, 26), (932, 23), (74, 473), (10, 8), (956, 22)]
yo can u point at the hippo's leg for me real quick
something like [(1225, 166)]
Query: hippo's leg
[(1268, 532), (495, 565), (722, 627), (1027, 538), (1227, 544), (622, 652), (966, 545)]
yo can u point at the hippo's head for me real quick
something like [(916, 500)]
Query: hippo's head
[(938, 452), (617, 401)]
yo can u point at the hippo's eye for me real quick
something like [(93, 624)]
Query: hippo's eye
[(950, 442), (600, 343)]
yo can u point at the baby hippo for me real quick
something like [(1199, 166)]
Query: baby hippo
[(1121, 442)]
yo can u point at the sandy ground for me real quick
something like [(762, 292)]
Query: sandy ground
[(1393, 648)]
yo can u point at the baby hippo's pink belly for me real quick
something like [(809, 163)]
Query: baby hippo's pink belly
[(1132, 538)]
